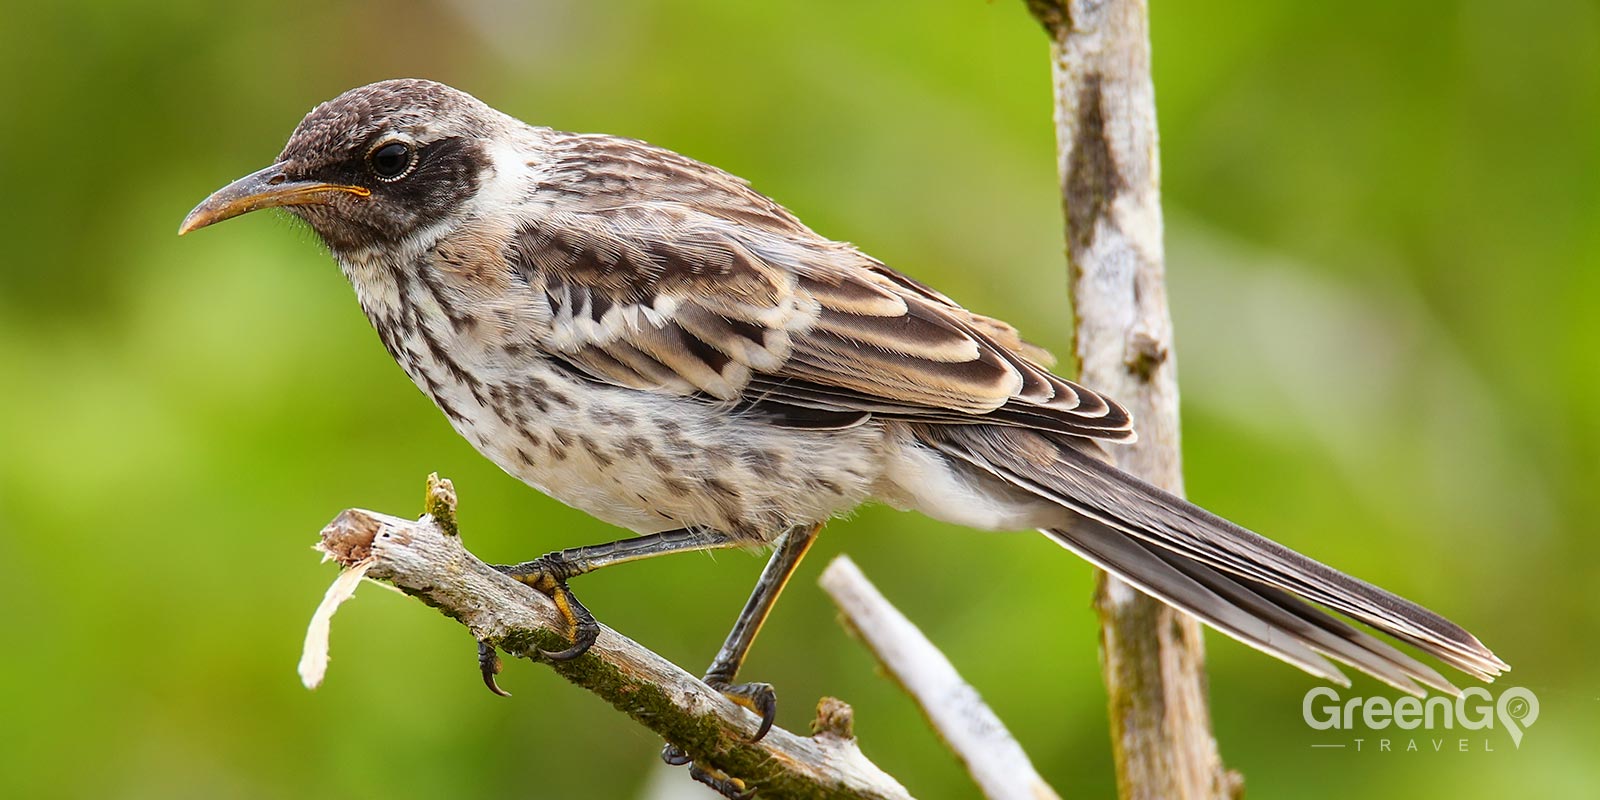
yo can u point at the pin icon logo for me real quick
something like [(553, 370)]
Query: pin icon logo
[(1517, 708)]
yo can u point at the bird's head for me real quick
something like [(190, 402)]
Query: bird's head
[(371, 166)]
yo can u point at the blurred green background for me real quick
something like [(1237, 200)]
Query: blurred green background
[(1383, 222)]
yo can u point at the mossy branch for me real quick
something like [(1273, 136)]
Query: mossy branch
[(425, 558)]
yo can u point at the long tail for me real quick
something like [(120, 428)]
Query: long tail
[(1240, 583)]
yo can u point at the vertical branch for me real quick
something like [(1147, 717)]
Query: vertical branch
[(1154, 659)]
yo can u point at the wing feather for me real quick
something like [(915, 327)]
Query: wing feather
[(714, 290)]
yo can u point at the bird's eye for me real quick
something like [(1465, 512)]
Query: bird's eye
[(392, 160)]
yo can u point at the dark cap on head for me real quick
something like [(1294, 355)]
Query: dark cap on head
[(372, 165)]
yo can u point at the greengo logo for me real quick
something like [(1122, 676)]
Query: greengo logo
[(1413, 724)]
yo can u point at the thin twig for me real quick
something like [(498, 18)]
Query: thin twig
[(422, 558), (1154, 659), (954, 709)]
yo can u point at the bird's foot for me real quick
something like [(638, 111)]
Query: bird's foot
[(731, 788), (725, 785), (549, 575), (758, 697)]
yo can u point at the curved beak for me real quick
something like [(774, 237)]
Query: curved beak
[(268, 188)]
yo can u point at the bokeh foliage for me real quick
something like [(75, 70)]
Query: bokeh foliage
[(1383, 225)]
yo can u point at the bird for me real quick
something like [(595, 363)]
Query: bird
[(648, 339)]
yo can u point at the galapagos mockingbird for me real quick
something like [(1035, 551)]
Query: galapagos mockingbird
[(648, 339)]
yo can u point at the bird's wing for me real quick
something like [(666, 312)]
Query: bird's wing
[(664, 273), (665, 296)]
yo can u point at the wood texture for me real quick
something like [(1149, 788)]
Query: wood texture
[(426, 559)]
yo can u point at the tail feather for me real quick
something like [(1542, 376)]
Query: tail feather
[(1132, 562), (1247, 586), (1274, 622)]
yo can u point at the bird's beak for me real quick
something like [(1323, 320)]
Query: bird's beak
[(268, 188)]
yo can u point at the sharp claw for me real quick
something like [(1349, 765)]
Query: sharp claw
[(489, 665), (567, 654), (758, 697), (769, 714), (674, 756)]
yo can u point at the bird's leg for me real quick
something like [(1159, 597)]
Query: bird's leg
[(549, 574), (758, 697)]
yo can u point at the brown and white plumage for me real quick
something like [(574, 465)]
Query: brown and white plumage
[(681, 278), (647, 338)]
